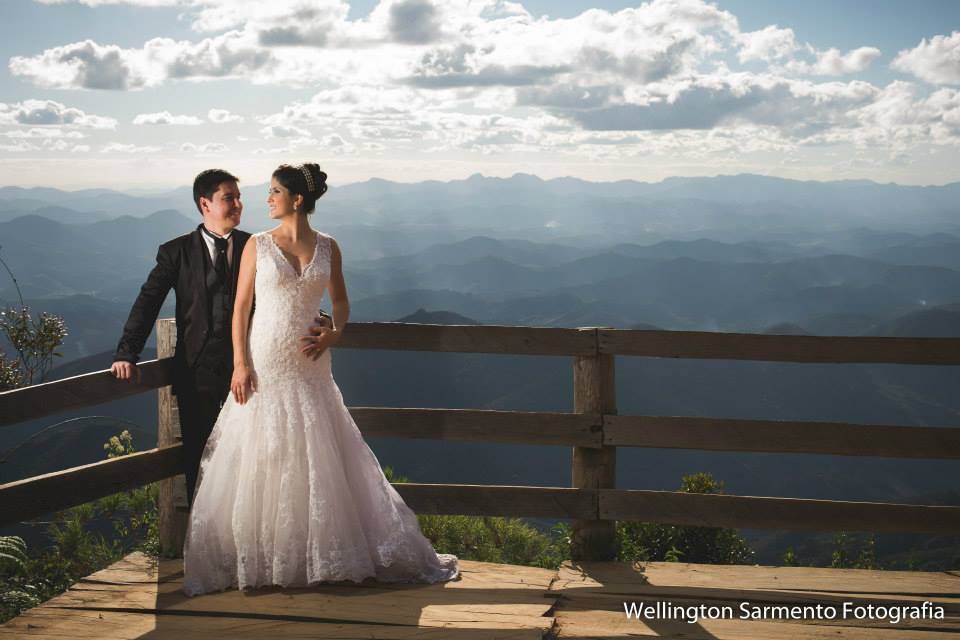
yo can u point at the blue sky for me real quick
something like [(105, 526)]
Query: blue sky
[(421, 89)]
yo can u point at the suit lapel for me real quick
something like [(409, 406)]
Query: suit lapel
[(198, 251)]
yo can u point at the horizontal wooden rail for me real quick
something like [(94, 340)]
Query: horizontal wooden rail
[(749, 346), (97, 387), (518, 427), (776, 436), (32, 497), (748, 512), (88, 389), (543, 341), (499, 500)]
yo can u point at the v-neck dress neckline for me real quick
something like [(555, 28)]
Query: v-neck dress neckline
[(298, 274)]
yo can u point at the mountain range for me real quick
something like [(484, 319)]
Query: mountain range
[(732, 253)]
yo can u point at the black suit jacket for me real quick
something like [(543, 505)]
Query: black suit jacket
[(180, 266)]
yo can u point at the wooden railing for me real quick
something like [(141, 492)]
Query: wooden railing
[(594, 430)]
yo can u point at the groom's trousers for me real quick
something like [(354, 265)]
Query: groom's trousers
[(199, 409)]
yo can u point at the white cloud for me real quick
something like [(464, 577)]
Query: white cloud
[(208, 148), (936, 61), (833, 63), (901, 117), (766, 44), (166, 118), (19, 147), (58, 133), (89, 65), (118, 147), (85, 65), (726, 99), (223, 116), (47, 112), (100, 3), (284, 131)]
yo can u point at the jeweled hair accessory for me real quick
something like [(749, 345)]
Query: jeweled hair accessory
[(306, 174)]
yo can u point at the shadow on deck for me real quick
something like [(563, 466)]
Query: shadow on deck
[(140, 598)]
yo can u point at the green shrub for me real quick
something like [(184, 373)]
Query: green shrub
[(493, 539), (643, 541)]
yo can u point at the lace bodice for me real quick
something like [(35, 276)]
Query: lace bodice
[(286, 304)]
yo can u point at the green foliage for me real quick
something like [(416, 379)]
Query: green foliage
[(13, 552), (78, 546), (490, 539), (642, 541), (35, 340), (843, 552), (790, 558)]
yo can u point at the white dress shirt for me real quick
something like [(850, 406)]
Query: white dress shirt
[(212, 247)]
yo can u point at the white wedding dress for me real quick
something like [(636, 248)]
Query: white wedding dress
[(289, 493)]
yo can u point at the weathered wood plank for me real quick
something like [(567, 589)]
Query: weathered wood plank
[(622, 578), (172, 522), (498, 500), (424, 605), (477, 600), (31, 497), (52, 623), (546, 341), (518, 427), (138, 568), (751, 512), (593, 594), (780, 436), (610, 625), (931, 584), (748, 346), (84, 390), (594, 391)]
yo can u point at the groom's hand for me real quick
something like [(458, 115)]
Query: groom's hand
[(123, 370), (321, 322), (318, 341)]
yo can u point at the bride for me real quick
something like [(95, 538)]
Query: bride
[(288, 493)]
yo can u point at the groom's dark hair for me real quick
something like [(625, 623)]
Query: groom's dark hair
[(207, 182)]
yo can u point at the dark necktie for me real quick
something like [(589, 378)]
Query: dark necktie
[(220, 265)]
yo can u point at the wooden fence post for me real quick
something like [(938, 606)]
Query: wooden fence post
[(172, 524), (594, 392)]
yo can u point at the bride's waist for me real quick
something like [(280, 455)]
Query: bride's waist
[(280, 331)]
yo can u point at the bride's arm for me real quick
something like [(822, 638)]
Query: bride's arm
[(323, 336), (244, 380), (338, 292)]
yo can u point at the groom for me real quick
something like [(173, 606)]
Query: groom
[(202, 268)]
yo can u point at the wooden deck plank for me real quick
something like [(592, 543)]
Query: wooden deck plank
[(139, 568), (49, 623), (496, 600), (593, 596), (622, 578), (609, 625)]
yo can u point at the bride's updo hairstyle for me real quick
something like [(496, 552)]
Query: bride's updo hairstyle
[(305, 180)]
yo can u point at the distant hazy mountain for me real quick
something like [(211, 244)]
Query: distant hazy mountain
[(723, 207), (422, 316), (107, 201), (938, 322)]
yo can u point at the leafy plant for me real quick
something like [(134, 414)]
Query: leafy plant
[(493, 539), (642, 541), (35, 340)]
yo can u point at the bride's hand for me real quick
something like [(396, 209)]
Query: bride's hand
[(316, 344), (243, 384)]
